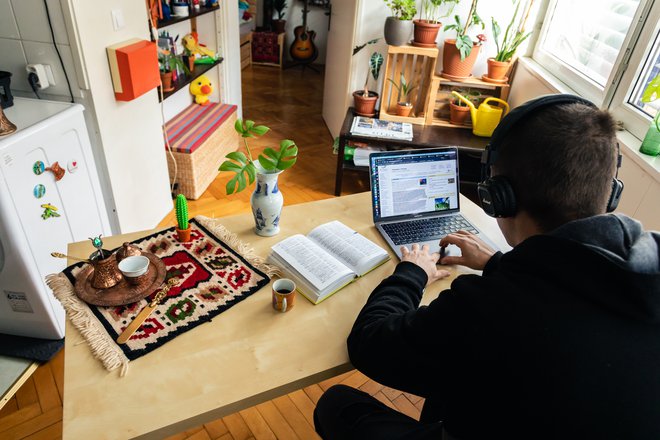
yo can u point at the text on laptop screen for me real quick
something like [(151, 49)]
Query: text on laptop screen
[(414, 183)]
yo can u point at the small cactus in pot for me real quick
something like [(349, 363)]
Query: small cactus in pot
[(183, 227)]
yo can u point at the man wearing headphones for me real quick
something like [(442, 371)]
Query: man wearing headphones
[(559, 338)]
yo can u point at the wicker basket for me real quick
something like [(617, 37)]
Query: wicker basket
[(199, 143)]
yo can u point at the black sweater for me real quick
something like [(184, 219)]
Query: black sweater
[(558, 338)]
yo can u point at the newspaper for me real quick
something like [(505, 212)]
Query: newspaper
[(371, 127)]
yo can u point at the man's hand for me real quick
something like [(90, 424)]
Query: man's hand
[(425, 260), (475, 253)]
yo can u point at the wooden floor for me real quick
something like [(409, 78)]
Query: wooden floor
[(289, 102)]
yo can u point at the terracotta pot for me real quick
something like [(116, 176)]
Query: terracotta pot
[(403, 109), (497, 69), (425, 33), (183, 234), (190, 61), (279, 26), (459, 115), (166, 80), (452, 66), (365, 106)]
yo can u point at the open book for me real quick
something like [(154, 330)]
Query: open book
[(327, 259)]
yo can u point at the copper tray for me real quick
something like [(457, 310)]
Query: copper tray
[(121, 293)]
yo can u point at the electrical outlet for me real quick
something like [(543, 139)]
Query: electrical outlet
[(44, 73)]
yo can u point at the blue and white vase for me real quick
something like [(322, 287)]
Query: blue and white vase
[(267, 203)]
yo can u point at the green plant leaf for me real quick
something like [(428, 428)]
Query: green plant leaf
[(375, 63), (248, 125), (464, 46), (259, 130), (241, 167), (652, 91), (285, 157), (238, 126)]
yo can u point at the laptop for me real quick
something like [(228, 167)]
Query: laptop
[(415, 198)]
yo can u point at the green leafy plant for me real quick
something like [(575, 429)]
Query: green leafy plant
[(169, 62), (403, 88), (471, 95), (271, 160), (279, 6), (652, 93), (402, 9), (181, 209), (464, 42), (430, 10), (512, 37)]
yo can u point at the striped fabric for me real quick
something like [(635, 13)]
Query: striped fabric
[(188, 130)]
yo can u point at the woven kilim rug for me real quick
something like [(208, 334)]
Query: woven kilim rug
[(215, 271)]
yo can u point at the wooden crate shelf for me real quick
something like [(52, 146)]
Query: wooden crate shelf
[(418, 66), (438, 97)]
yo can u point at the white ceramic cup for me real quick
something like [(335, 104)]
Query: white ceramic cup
[(134, 266)]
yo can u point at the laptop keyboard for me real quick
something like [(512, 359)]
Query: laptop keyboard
[(415, 231)]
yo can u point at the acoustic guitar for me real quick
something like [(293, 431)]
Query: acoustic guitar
[(303, 48)]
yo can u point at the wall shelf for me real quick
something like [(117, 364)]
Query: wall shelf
[(193, 13), (184, 80)]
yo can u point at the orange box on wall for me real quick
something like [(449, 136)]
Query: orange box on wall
[(134, 68)]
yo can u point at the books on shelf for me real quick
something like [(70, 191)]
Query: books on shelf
[(371, 127), (330, 257)]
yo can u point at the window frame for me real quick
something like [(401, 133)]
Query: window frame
[(578, 81), (634, 120)]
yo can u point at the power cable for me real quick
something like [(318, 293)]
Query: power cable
[(52, 34)]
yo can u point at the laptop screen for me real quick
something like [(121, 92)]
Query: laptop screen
[(414, 183)]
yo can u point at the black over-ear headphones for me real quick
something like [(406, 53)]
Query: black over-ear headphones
[(495, 193)]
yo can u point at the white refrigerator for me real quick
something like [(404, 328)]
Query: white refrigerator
[(40, 214)]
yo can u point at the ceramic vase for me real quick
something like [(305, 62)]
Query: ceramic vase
[(266, 202), (397, 32)]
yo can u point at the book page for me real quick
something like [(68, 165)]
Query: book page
[(351, 248), (316, 265)]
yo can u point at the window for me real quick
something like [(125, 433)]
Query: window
[(581, 42), (606, 51)]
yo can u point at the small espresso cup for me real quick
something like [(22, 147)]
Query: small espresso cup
[(284, 295)]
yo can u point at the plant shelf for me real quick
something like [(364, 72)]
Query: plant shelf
[(184, 80)]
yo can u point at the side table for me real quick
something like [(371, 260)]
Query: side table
[(469, 147)]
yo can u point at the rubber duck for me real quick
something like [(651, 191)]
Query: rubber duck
[(191, 43), (201, 88)]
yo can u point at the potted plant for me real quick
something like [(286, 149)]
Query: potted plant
[(279, 24), (169, 64), (651, 143), (403, 106), (399, 26), (181, 210), (498, 65), (460, 54), (426, 28), (459, 111), (365, 100), (267, 199)]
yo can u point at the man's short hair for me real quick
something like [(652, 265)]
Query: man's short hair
[(560, 162)]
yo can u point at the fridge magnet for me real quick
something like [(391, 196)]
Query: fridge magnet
[(38, 167), (57, 171), (39, 191), (72, 166), (49, 211)]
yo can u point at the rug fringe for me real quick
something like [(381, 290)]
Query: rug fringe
[(232, 240), (103, 347)]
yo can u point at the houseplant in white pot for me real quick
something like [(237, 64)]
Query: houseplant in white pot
[(266, 200), (399, 26), (513, 37), (460, 54)]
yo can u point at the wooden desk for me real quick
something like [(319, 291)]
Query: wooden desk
[(469, 146), (247, 355)]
